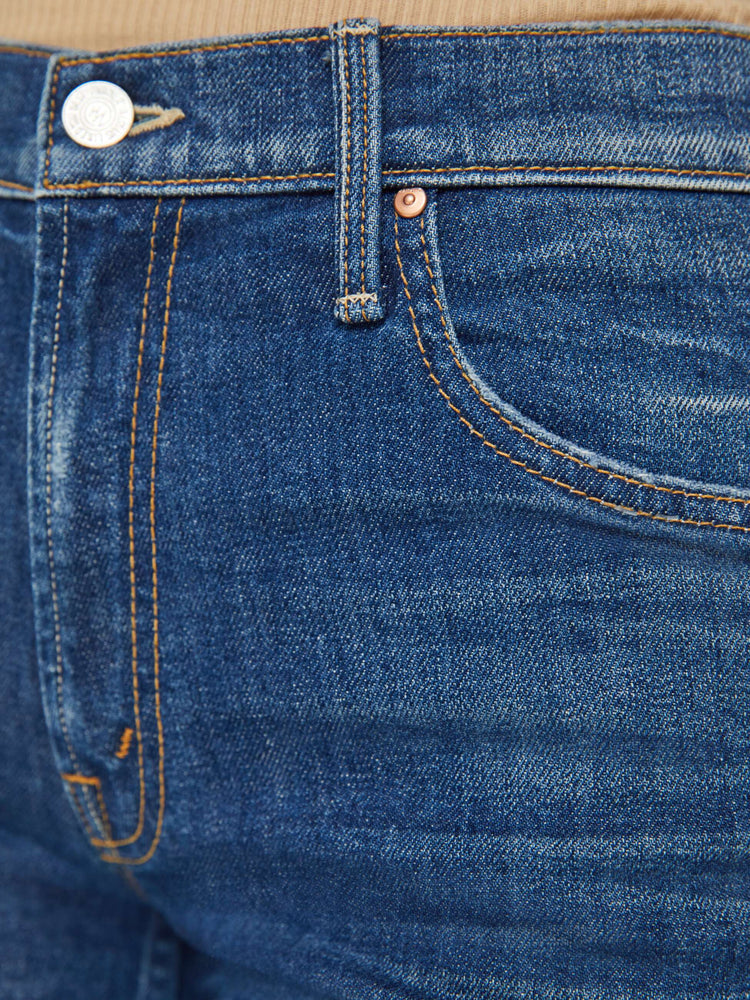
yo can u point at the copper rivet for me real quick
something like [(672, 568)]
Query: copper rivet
[(409, 202)]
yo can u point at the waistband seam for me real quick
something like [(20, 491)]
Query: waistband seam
[(608, 29), (397, 172), (543, 167)]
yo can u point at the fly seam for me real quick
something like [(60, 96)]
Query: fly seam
[(48, 491), (517, 462), (48, 486), (123, 841), (526, 434), (90, 832), (106, 828), (155, 595), (86, 782)]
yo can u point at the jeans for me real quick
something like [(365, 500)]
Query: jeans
[(375, 535)]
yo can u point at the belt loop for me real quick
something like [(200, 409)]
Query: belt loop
[(356, 84)]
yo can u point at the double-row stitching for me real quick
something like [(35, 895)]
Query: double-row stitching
[(364, 176), (538, 441), (510, 32), (348, 175), (458, 33), (566, 169), (166, 53), (92, 781), (152, 55), (76, 780), (407, 172), (517, 462), (86, 782), (86, 184), (154, 562), (123, 841)]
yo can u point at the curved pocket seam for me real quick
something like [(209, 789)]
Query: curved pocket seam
[(524, 465)]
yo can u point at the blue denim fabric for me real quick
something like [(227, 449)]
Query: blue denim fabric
[(397, 652)]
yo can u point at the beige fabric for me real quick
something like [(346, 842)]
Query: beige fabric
[(108, 24)]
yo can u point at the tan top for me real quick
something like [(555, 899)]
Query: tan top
[(109, 24)]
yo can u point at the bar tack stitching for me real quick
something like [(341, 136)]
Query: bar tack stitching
[(517, 462), (359, 297), (354, 30), (125, 740)]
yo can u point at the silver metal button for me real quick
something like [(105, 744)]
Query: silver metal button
[(97, 113)]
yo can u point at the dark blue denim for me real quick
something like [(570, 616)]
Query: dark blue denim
[(375, 591)]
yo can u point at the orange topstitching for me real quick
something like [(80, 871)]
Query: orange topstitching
[(536, 472), (544, 444), (344, 47), (384, 36), (93, 780), (131, 838), (154, 579)]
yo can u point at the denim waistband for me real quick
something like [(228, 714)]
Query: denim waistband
[(667, 103)]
